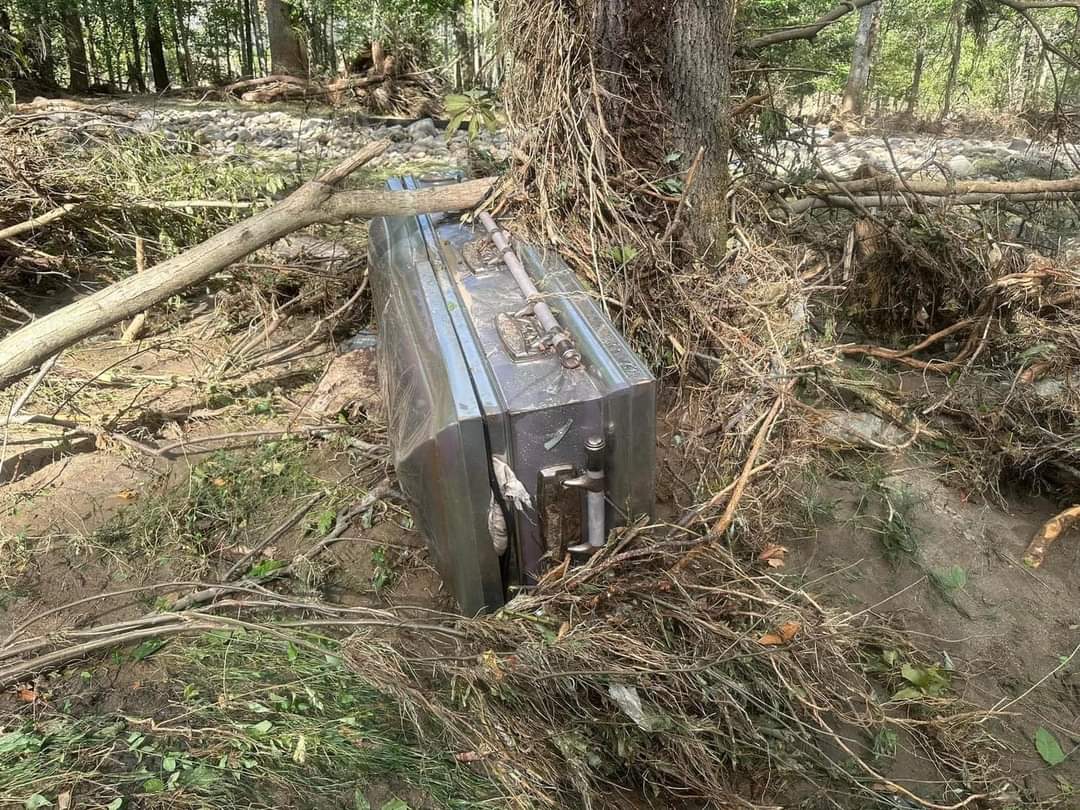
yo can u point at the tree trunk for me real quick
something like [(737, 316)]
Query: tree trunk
[(38, 48), (854, 100), (697, 78), (75, 46), (135, 66), (91, 49), (954, 59), (287, 51), (180, 21), (464, 70), (260, 48), (313, 203), (249, 41), (157, 49), (107, 44), (916, 80), (178, 53)]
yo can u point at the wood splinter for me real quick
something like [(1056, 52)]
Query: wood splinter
[(1050, 531)]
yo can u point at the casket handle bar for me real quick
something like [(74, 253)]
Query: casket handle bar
[(568, 355), (594, 482)]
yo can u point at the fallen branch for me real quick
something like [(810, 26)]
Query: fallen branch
[(889, 190), (316, 202), (903, 200), (721, 526), (1048, 533), (36, 222), (276, 78), (890, 182)]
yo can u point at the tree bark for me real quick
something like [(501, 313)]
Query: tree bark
[(314, 202), (156, 45), (180, 30), (136, 64), (954, 59), (854, 99), (249, 41), (916, 80), (38, 47), (288, 53), (75, 46), (697, 77)]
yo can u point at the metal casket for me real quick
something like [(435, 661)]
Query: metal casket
[(488, 427)]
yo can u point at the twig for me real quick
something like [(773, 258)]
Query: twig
[(287, 524), (131, 333), (37, 222), (691, 174), (725, 520), (46, 367)]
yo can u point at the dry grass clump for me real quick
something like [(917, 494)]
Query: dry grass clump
[(116, 185), (718, 684), (985, 334)]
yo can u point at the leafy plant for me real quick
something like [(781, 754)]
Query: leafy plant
[(1048, 747), (475, 106), (382, 573), (885, 742), (924, 681)]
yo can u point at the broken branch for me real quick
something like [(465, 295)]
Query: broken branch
[(315, 202)]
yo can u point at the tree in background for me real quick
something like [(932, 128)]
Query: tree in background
[(854, 97), (156, 45), (74, 47), (288, 51)]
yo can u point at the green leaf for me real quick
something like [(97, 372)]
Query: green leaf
[(147, 648), (115, 804), (325, 521), (456, 103), (168, 764), (952, 578), (35, 801), (154, 785), (395, 804), (260, 729), (291, 652), (623, 254), (265, 567), (908, 693), (455, 122), (1048, 747)]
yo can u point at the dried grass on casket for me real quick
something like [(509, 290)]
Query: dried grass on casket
[(719, 686)]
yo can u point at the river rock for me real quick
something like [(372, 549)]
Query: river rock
[(425, 127), (960, 167)]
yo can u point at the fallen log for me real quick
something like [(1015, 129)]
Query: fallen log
[(901, 197), (315, 202), (938, 188), (277, 78)]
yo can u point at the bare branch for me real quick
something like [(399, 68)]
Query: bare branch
[(808, 31)]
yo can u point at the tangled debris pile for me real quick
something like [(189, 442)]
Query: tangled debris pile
[(719, 685)]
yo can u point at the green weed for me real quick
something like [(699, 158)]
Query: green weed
[(228, 497), (253, 721)]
